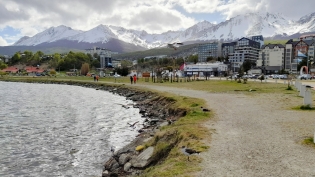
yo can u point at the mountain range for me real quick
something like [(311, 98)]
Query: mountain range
[(119, 39)]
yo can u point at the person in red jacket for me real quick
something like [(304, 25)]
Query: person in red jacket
[(134, 79)]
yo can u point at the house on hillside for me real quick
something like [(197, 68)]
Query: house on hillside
[(11, 70), (34, 71)]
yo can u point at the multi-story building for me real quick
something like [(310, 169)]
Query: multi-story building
[(271, 58), (307, 47), (209, 50), (106, 59), (308, 37), (105, 55), (245, 50), (259, 39), (228, 49)]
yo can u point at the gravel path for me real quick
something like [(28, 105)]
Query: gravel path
[(255, 135)]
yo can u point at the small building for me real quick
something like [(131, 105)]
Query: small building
[(33, 71), (205, 69), (11, 70)]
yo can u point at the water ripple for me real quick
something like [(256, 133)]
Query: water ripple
[(60, 130)]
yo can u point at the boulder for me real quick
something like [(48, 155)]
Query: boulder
[(111, 165), (124, 158), (127, 166), (143, 159)]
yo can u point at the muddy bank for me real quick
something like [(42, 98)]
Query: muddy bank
[(156, 112)]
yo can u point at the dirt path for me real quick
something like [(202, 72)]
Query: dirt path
[(255, 135)]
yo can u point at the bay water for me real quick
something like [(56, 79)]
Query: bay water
[(61, 130)]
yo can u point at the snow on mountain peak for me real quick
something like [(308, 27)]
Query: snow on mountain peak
[(50, 35), (249, 24)]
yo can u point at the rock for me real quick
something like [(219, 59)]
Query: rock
[(164, 124), (127, 166), (111, 165), (124, 158), (148, 139), (143, 159)]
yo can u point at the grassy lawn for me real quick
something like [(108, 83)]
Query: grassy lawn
[(212, 85)]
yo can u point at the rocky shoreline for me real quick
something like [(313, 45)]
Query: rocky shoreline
[(156, 112)]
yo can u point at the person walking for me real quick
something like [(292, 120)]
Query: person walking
[(97, 77), (94, 78), (134, 79), (131, 79)]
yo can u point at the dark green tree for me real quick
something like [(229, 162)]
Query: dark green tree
[(15, 59), (3, 65), (96, 63), (193, 58), (124, 71), (302, 63), (210, 58), (247, 65)]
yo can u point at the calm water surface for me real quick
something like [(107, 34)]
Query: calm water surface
[(60, 130)]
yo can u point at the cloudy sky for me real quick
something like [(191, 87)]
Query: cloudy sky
[(20, 18)]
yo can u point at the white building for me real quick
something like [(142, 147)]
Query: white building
[(245, 50), (205, 69), (271, 57)]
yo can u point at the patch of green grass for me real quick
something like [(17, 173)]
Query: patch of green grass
[(289, 87), (187, 131), (304, 107), (275, 42), (309, 141), (194, 105), (307, 107)]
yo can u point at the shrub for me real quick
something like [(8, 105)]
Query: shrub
[(289, 87), (307, 107)]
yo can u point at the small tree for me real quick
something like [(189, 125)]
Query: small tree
[(3, 65), (2, 73), (85, 68), (261, 78), (52, 72)]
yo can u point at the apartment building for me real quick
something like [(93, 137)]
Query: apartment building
[(209, 50), (271, 58), (105, 55), (259, 39), (307, 47), (228, 49), (245, 50), (106, 58)]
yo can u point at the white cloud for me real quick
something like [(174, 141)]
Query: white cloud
[(291, 9), (33, 16), (3, 42)]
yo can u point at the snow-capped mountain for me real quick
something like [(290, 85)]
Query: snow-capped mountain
[(249, 24), (50, 35)]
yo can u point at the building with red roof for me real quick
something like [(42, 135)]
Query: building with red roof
[(11, 69)]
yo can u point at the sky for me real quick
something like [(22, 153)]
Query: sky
[(20, 18)]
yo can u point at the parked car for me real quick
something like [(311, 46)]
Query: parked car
[(305, 77), (283, 76), (254, 76)]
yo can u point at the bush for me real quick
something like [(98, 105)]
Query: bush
[(289, 87), (307, 107)]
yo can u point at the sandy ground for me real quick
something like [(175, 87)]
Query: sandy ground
[(255, 135)]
